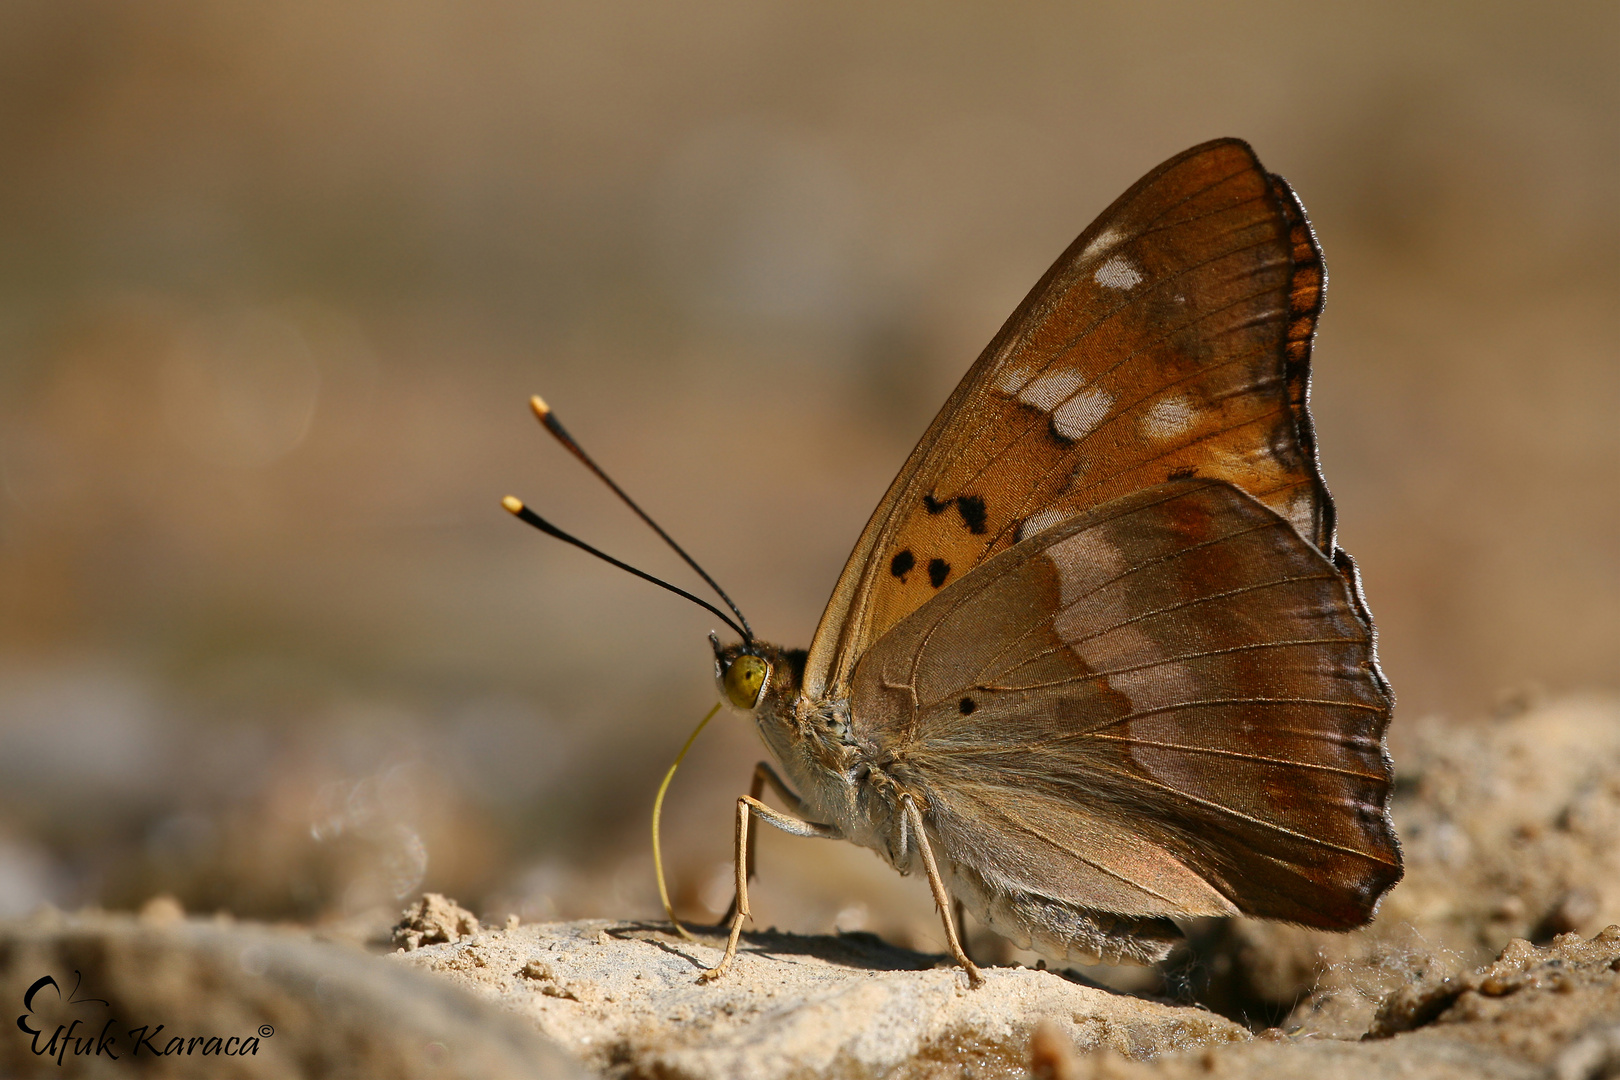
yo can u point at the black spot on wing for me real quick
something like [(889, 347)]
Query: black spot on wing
[(938, 571), (971, 507), (967, 705), (1186, 472), (902, 563)]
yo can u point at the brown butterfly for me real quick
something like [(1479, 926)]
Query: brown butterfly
[(1097, 662)]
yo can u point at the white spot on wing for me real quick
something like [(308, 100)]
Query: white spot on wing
[(1167, 418), (1105, 240), (1049, 389), (1095, 619), (1301, 511), (1118, 273), (1077, 416), (1012, 378)]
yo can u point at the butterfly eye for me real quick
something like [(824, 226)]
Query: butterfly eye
[(745, 681)]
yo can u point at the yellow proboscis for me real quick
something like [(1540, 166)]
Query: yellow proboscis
[(658, 809)]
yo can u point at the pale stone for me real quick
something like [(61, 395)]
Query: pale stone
[(625, 998)]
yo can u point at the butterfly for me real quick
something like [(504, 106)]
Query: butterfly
[(1096, 662)]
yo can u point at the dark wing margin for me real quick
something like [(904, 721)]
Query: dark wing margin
[(1307, 293)]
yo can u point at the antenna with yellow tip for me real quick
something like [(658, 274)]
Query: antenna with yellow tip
[(515, 507), (548, 419)]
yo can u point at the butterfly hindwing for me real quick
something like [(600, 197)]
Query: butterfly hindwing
[(1166, 705), (1172, 339)]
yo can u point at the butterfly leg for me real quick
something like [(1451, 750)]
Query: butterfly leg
[(960, 914), (763, 775), (748, 807), (942, 898)]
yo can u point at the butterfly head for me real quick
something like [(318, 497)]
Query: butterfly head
[(748, 674)]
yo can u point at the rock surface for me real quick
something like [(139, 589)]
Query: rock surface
[(1543, 1013), (625, 998), (312, 1008)]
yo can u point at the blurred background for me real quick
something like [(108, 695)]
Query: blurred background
[(276, 282)]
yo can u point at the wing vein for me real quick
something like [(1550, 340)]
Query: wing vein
[(1162, 661), (1070, 644), (1238, 754), (1222, 808), (1144, 462), (1197, 600), (1024, 827), (1177, 706)]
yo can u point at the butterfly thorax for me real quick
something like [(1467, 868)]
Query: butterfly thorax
[(843, 781)]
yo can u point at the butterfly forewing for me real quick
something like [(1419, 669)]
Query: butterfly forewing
[(1170, 340), (1167, 705)]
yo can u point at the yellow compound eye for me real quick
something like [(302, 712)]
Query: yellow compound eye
[(745, 681)]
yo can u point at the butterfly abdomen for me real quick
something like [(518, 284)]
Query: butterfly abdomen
[(1058, 930)]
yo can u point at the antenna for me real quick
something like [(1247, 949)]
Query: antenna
[(548, 419), (523, 513)]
